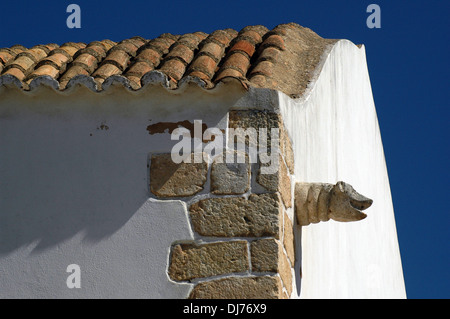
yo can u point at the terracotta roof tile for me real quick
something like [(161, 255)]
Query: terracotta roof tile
[(283, 58), (54, 64)]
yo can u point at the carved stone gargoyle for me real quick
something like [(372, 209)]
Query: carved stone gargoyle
[(315, 202)]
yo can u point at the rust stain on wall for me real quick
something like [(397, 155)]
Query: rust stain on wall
[(169, 127)]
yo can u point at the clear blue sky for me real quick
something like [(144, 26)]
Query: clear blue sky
[(408, 62)]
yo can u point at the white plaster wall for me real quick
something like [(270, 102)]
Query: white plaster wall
[(336, 137), (74, 193), (68, 197)]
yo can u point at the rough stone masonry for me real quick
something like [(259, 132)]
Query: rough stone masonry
[(245, 238)]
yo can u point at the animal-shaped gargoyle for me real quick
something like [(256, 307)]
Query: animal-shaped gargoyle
[(315, 202)]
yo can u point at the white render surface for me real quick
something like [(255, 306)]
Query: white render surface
[(69, 197), (336, 137), (74, 189)]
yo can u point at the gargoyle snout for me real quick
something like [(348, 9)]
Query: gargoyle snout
[(346, 203), (361, 204), (357, 200)]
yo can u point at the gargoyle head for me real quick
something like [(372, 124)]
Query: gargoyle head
[(346, 203)]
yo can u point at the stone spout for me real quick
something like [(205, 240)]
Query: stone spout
[(315, 202)]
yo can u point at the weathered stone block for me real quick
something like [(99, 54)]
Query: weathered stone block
[(255, 120), (189, 261), (229, 176), (286, 149), (281, 162), (280, 181), (264, 255), (258, 216), (264, 287), (268, 255), (288, 239), (258, 119), (169, 179)]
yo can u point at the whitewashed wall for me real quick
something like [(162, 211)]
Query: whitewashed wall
[(74, 189), (336, 137), (74, 192)]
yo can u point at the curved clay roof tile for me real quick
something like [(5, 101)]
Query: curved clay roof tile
[(283, 59)]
